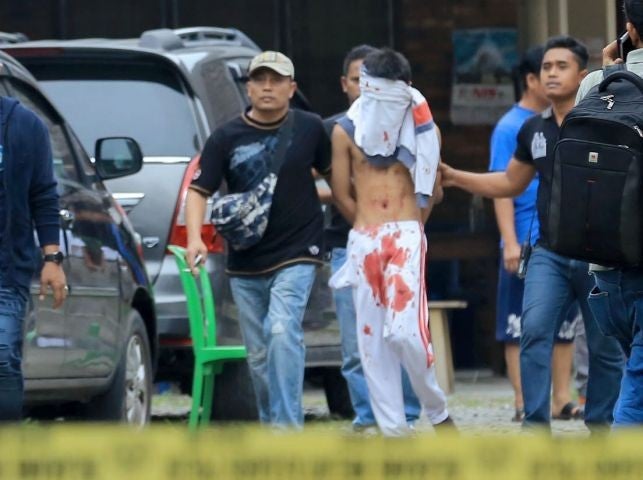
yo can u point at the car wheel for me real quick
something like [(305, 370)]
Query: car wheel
[(234, 395), (129, 398), (337, 396)]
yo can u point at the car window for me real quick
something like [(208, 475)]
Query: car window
[(63, 157), (222, 93), (141, 100)]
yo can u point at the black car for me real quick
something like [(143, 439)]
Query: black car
[(169, 89), (97, 351)]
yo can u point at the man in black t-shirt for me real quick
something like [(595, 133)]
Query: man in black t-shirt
[(553, 282), (270, 281)]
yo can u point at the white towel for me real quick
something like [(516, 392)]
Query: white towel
[(391, 116)]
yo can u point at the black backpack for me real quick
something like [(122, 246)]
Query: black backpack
[(596, 196)]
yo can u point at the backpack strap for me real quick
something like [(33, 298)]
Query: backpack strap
[(283, 140), (621, 75)]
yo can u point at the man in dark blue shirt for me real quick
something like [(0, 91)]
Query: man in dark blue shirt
[(28, 198), (553, 282)]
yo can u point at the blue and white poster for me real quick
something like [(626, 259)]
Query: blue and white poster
[(482, 85)]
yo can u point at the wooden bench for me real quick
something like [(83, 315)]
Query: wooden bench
[(441, 340)]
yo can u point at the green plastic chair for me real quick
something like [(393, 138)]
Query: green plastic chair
[(208, 356)]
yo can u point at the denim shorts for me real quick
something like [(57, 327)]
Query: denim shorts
[(509, 310)]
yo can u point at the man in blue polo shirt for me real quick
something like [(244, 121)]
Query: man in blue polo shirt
[(553, 282), (517, 223)]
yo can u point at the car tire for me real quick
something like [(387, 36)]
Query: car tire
[(234, 395), (129, 397), (337, 396)]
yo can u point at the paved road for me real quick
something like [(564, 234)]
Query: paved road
[(481, 404)]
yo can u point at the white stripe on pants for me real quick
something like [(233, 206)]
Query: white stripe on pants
[(385, 267)]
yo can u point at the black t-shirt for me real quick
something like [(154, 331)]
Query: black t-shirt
[(337, 230), (536, 141), (240, 152)]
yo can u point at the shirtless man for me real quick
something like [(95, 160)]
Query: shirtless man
[(385, 157)]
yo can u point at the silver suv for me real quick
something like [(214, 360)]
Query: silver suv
[(97, 352), (169, 89)]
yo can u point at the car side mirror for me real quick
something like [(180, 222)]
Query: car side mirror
[(117, 157)]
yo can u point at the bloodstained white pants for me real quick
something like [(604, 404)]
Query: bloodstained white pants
[(385, 268)]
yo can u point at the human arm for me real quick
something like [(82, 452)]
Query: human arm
[(504, 208), (611, 62), (322, 166), (611, 54), (206, 181), (435, 199), (502, 146), (45, 211), (52, 276), (509, 183), (195, 205), (323, 190), (438, 192), (341, 184)]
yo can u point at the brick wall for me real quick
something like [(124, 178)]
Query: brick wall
[(424, 31), (424, 35)]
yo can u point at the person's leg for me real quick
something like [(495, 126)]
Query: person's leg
[(581, 361), (289, 291), (561, 366), (630, 405), (351, 364), (612, 301), (407, 317), (629, 411), (382, 368), (252, 296), (412, 406), (616, 302), (512, 359), (12, 310), (606, 360), (548, 295), (508, 320)]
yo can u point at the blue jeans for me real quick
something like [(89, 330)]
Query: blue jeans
[(12, 311), (553, 282), (351, 363), (271, 310), (617, 303)]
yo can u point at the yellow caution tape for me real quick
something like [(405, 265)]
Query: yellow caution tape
[(93, 452)]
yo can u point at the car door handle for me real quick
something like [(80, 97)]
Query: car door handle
[(67, 217), (151, 242), (128, 200)]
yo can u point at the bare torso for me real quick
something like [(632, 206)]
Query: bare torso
[(382, 194)]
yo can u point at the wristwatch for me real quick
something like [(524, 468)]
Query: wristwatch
[(56, 257)]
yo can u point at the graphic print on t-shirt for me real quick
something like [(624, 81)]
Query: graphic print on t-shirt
[(250, 163), (538, 145)]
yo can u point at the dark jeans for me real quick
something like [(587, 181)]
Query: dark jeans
[(617, 300), (12, 310), (552, 284)]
